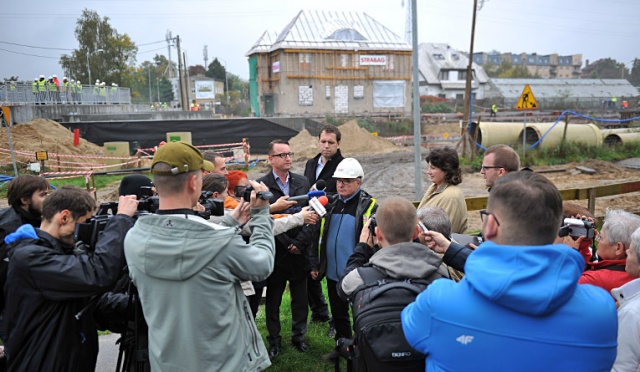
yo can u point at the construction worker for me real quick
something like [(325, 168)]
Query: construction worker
[(614, 102), (56, 93), (625, 104), (34, 90), (78, 92), (72, 91), (51, 90), (66, 87), (103, 93), (494, 110), (113, 93), (42, 90)]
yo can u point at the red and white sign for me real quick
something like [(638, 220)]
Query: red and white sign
[(275, 67), (373, 60)]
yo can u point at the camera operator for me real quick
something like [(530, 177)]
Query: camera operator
[(519, 306), (188, 272), (48, 285)]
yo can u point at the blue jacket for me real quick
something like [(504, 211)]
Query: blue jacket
[(518, 308)]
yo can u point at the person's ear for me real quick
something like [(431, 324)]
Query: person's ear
[(620, 250), (379, 235), (416, 232), (25, 201), (65, 217), (490, 229)]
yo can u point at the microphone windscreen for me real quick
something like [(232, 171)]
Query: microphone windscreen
[(323, 200), (321, 185)]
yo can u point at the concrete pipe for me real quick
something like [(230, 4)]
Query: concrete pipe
[(621, 136), (494, 133), (588, 134)]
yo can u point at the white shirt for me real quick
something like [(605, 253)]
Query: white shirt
[(628, 357)]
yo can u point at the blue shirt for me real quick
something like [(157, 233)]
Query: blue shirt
[(284, 186)]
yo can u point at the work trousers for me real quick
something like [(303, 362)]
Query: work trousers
[(339, 311), (317, 303), (299, 308)]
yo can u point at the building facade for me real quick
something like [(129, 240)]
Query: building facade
[(330, 63), (552, 66), (443, 73)]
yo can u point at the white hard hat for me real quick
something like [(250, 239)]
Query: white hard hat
[(50, 78), (55, 76), (73, 81), (349, 168), (113, 84), (103, 83), (97, 81), (78, 82), (41, 76), (35, 79), (64, 78)]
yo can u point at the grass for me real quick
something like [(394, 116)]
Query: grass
[(292, 360)]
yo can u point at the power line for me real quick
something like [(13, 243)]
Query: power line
[(28, 54), (32, 46)]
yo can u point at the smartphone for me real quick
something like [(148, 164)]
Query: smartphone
[(422, 226)]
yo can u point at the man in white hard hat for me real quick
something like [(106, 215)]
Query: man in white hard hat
[(335, 237)]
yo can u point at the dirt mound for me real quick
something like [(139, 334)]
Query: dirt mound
[(46, 135), (355, 141)]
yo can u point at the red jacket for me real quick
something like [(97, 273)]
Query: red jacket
[(607, 274)]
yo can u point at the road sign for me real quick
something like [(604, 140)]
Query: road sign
[(527, 101)]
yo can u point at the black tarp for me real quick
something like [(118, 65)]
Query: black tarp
[(145, 134)]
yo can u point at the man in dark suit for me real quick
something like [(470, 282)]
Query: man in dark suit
[(322, 167), (291, 263)]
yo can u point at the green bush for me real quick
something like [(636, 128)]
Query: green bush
[(433, 108)]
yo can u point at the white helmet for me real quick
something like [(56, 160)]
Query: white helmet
[(97, 81), (35, 79), (55, 76), (103, 84), (64, 78), (349, 168), (78, 82), (72, 81), (113, 84), (49, 78), (41, 76)]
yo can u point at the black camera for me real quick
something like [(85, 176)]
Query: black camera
[(212, 207), (245, 193), (576, 227), (372, 225)]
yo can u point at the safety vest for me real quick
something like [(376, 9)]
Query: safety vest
[(96, 90), (12, 87), (52, 87), (494, 108), (66, 86), (34, 87), (78, 88), (365, 218), (614, 99), (103, 91), (42, 85)]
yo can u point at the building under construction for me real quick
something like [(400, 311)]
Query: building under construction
[(330, 63)]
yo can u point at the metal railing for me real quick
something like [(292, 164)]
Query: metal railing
[(26, 94)]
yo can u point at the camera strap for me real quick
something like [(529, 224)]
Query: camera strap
[(176, 211)]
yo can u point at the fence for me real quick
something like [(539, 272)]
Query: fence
[(27, 94)]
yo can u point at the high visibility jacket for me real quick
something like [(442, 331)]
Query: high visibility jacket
[(52, 87), (12, 87), (78, 88), (103, 91), (614, 99), (96, 90), (67, 85), (42, 85), (494, 108), (34, 87)]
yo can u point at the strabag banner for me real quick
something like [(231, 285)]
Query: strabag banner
[(204, 90)]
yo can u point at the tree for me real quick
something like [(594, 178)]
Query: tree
[(507, 70), (606, 68), (166, 90), (217, 71), (197, 70), (634, 77), (115, 63)]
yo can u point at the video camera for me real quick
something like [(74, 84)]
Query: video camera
[(212, 207), (245, 193), (373, 224), (576, 228)]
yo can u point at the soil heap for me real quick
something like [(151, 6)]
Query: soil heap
[(45, 135), (355, 141)]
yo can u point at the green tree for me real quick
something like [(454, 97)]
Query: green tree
[(166, 90), (197, 70), (217, 71), (607, 68), (114, 64), (634, 77)]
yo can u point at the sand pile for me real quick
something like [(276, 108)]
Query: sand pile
[(45, 135), (355, 141)]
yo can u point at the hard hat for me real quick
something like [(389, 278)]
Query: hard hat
[(78, 82), (54, 76), (97, 81), (103, 83), (35, 79), (50, 78), (41, 76), (349, 168), (73, 81), (64, 78), (113, 84)]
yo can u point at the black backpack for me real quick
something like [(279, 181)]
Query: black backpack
[(379, 343)]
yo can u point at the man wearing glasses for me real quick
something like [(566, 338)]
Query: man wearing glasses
[(335, 237), (520, 295), (291, 263), (498, 161)]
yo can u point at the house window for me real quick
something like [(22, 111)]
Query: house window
[(305, 95), (444, 75), (358, 91), (305, 61), (344, 60), (438, 56), (462, 75)]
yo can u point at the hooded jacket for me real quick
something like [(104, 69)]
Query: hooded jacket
[(188, 273), (49, 326), (518, 308), (399, 261)]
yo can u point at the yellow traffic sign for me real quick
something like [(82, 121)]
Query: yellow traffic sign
[(527, 101)]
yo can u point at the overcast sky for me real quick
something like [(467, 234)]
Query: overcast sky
[(594, 28)]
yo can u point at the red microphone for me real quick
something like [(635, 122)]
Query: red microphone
[(317, 204)]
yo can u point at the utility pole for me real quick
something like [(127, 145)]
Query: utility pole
[(169, 40), (187, 89), (417, 130), (468, 113), (180, 77), (205, 53)]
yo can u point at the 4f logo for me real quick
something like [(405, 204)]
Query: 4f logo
[(464, 339)]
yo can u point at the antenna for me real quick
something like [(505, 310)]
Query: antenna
[(205, 54), (169, 39)]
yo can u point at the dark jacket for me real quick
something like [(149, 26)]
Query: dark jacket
[(310, 235), (10, 220), (47, 287), (292, 266), (326, 173)]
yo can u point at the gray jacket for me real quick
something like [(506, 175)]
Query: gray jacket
[(399, 261), (188, 273)]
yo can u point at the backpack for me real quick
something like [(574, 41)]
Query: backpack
[(379, 343)]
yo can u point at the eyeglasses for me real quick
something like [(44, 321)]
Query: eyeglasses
[(485, 167), (346, 181), (484, 212), (284, 155)]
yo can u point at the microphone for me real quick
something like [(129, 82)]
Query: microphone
[(318, 203), (303, 200), (319, 185)]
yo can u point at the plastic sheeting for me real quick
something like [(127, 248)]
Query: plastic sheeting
[(388, 93), (146, 134)]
